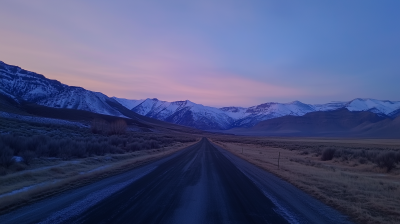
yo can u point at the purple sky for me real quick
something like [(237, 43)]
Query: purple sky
[(213, 52)]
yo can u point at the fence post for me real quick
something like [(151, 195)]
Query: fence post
[(279, 156)]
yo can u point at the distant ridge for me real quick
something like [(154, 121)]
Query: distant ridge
[(341, 122)]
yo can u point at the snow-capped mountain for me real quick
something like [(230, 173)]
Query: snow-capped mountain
[(382, 107), (22, 85), (184, 113), (203, 117), (266, 111)]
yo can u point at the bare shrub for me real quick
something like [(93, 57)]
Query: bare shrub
[(386, 160), (99, 126), (78, 150), (328, 154), (103, 149), (16, 143), (304, 153), (135, 146), (42, 151), (372, 155), (154, 144), (6, 156), (362, 160), (145, 145), (71, 149), (53, 148), (116, 150), (3, 171), (118, 127), (93, 148), (28, 156), (18, 167), (65, 152), (115, 141), (345, 154), (31, 144)]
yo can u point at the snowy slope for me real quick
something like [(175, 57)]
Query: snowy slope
[(25, 85), (329, 106), (235, 112), (184, 113), (376, 106), (80, 99), (385, 107), (150, 106), (129, 104), (266, 111), (22, 85)]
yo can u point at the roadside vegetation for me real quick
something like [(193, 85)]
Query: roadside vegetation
[(38, 160), (359, 177), (30, 142)]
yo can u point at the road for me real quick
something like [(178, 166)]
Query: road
[(200, 184)]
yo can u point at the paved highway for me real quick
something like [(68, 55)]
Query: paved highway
[(200, 184)]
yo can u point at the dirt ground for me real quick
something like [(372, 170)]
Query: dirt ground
[(364, 191)]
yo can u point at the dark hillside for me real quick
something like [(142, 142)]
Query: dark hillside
[(340, 122), (321, 121), (9, 105), (75, 115)]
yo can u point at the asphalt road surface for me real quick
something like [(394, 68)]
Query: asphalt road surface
[(200, 184)]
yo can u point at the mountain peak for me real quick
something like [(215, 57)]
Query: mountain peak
[(295, 102)]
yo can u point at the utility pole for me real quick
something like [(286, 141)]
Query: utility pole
[(279, 156)]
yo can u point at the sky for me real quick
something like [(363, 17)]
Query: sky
[(212, 52)]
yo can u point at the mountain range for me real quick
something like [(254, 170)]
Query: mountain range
[(211, 118), (24, 86)]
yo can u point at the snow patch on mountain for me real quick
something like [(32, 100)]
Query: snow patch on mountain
[(129, 104), (376, 106), (150, 106), (235, 112), (329, 106), (184, 113), (22, 85)]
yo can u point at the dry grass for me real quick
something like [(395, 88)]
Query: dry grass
[(365, 192), (63, 176)]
